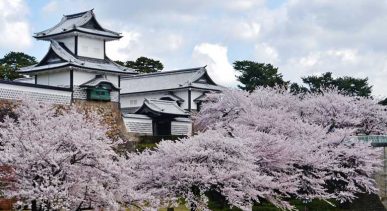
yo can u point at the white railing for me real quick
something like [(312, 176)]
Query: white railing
[(376, 140)]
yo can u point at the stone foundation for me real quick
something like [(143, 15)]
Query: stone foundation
[(381, 178), (111, 116)]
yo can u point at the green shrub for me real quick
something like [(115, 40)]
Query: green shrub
[(150, 142)]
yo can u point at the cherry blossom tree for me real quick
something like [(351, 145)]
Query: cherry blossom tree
[(59, 158), (268, 145)]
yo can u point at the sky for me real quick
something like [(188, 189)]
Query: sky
[(300, 37)]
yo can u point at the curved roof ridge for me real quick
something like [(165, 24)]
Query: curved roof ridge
[(55, 46), (169, 107), (78, 14), (98, 79), (168, 72), (65, 18), (95, 19), (162, 101), (70, 59), (77, 22), (149, 103)]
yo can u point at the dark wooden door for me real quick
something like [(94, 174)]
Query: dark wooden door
[(162, 127)]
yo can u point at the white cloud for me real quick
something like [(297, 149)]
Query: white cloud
[(174, 42), (242, 5), (161, 46), (51, 7), (310, 37), (246, 30), (346, 55), (124, 49), (15, 30), (301, 37), (342, 62), (265, 53), (219, 67)]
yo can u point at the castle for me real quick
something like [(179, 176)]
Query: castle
[(76, 68)]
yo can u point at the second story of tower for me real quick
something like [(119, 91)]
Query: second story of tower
[(81, 34)]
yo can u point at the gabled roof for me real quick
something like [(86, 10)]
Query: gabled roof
[(59, 56), (200, 98), (82, 22), (99, 79), (169, 80), (158, 108), (172, 96)]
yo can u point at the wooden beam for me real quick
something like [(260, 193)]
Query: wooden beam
[(76, 45), (189, 99)]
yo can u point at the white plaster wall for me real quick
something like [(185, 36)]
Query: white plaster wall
[(113, 78), (89, 47), (195, 94), (61, 79), (184, 95), (69, 43), (80, 77), (42, 79), (125, 99)]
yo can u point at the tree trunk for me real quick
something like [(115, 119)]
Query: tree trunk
[(193, 207), (34, 206)]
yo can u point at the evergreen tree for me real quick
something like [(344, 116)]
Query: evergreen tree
[(383, 102), (13, 61), (143, 65), (346, 85), (255, 74)]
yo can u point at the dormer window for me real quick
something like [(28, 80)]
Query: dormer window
[(99, 88), (98, 93)]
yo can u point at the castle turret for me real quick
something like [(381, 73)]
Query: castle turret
[(77, 55)]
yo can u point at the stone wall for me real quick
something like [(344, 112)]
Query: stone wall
[(111, 116), (381, 176), (109, 111), (16, 91)]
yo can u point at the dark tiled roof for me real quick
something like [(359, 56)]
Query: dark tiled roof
[(83, 22), (168, 80), (67, 58), (97, 81), (162, 107)]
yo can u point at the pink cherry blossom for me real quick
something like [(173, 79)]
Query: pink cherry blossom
[(268, 145), (62, 160)]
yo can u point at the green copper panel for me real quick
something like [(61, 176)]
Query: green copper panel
[(98, 94)]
